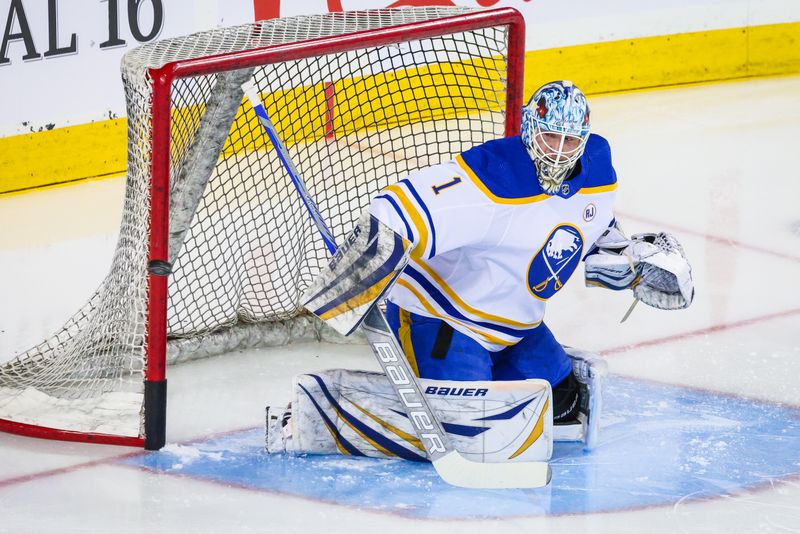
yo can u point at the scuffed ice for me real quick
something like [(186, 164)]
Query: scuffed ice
[(697, 444)]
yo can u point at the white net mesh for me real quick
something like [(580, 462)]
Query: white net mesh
[(242, 246)]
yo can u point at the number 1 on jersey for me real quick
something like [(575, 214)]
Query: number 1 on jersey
[(438, 188)]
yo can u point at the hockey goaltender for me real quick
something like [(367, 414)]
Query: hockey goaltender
[(466, 254)]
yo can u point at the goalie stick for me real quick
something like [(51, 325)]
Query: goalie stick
[(448, 462)]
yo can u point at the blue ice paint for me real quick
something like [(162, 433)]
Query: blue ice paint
[(658, 444)]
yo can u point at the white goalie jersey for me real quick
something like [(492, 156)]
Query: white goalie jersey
[(489, 246)]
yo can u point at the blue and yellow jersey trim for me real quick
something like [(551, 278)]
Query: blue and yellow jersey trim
[(592, 190), (503, 171), (400, 214), (597, 189), (416, 217), (439, 300), (494, 198), (430, 226), (426, 304), (453, 296)]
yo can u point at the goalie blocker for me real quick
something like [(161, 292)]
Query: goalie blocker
[(361, 272)]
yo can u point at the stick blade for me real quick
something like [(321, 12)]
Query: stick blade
[(458, 471)]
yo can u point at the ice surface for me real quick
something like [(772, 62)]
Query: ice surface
[(714, 387)]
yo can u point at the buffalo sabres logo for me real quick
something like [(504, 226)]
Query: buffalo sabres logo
[(555, 262)]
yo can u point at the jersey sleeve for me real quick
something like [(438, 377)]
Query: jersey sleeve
[(436, 208)]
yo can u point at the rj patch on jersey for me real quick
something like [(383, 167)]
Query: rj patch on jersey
[(554, 263)]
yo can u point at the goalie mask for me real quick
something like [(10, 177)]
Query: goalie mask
[(555, 127)]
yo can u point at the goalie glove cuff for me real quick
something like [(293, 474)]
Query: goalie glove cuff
[(608, 265)]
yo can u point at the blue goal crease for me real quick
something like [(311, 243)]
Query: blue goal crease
[(658, 443)]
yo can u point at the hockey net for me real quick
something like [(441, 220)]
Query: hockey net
[(215, 245)]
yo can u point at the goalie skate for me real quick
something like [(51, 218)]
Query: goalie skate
[(278, 429), (590, 370)]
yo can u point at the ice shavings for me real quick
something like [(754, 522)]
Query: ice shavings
[(186, 455)]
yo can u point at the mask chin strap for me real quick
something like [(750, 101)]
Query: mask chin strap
[(550, 176)]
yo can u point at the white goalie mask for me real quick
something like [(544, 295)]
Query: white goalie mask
[(555, 128)]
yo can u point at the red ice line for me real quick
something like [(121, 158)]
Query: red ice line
[(716, 328), (61, 470), (700, 332), (22, 479), (703, 331), (708, 237), (615, 350)]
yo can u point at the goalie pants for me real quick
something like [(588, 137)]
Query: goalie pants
[(437, 351)]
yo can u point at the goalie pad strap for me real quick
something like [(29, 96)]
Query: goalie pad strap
[(363, 269)]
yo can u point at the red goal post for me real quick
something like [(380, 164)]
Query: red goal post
[(214, 250)]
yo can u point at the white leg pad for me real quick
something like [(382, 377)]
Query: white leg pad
[(358, 413)]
